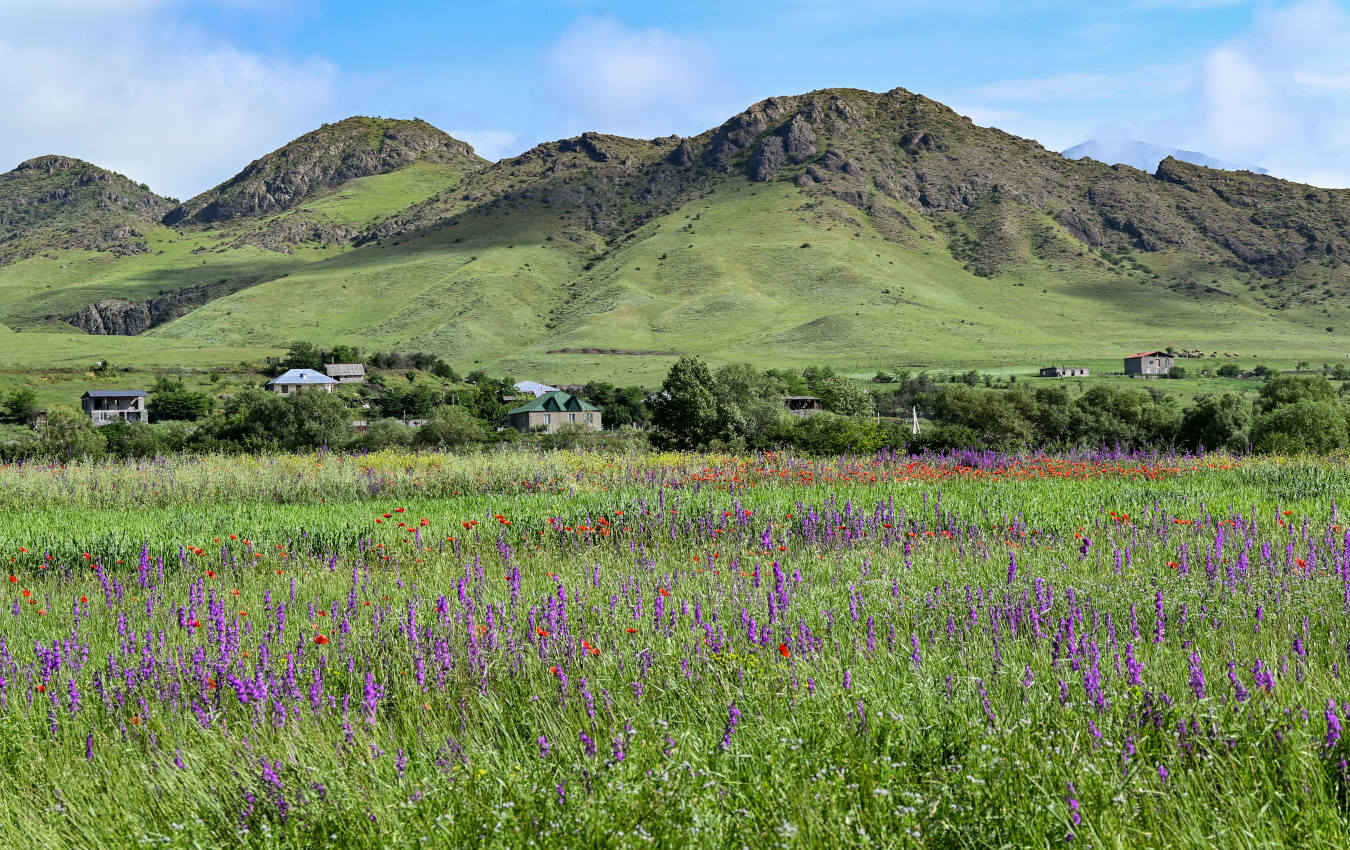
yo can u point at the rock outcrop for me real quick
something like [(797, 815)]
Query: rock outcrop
[(57, 203), (121, 317)]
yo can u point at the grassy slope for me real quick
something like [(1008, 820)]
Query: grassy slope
[(745, 290), (497, 291)]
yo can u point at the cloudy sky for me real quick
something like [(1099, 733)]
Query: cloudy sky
[(183, 93)]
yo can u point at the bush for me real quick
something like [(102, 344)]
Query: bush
[(388, 434), (831, 434), (452, 428), (1304, 427), (1291, 389), (1216, 423)]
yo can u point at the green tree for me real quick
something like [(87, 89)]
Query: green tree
[(1216, 423), (452, 428), (831, 434), (442, 370), (1306, 426), (303, 355), (178, 405), (1290, 389), (486, 401), (842, 396), (415, 402), (344, 354), (20, 406), (684, 412), (70, 435), (999, 419), (388, 434), (255, 420)]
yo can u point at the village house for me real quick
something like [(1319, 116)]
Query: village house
[(803, 405), (295, 380), (346, 373), (1149, 363), (107, 406), (1064, 372), (551, 411)]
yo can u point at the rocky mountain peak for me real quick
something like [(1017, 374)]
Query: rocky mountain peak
[(321, 160)]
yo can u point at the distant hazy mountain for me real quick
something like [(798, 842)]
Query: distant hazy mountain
[(1145, 157)]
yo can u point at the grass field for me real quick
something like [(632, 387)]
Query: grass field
[(565, 650)]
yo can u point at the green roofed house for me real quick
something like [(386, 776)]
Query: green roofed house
[(552, 410)]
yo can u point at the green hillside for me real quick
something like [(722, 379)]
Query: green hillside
[(858, 229)]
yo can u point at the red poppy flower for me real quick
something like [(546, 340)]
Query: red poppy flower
[(783, 650), (663, 591), (320, 639), (542, 632), (631, 631)]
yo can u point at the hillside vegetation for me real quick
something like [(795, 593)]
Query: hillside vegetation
[(841, 226)]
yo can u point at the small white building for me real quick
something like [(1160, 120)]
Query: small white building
[(295, 380), (346, 373)]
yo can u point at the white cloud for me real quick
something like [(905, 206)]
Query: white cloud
[(490, 144), (1083, 86), (636, 83), (121, 85), (1278, 96)]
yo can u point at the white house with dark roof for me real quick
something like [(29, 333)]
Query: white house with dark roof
[(107, 406), (293, 381)]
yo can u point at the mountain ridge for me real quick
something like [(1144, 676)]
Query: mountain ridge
[(832, 217)]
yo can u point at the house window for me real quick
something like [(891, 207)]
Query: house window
[(590, 417), (571, 417), (548, 419)]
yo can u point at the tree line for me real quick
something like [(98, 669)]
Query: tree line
[(736, 407)]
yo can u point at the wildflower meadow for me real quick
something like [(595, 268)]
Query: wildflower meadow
[(676, 650)]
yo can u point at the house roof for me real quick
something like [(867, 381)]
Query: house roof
[(113, 394), (558, 401), (801, 398), (345, 370), (1148, 354), (535, 388), (301, 376)]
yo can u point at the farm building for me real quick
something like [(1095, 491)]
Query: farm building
[(1064, 372), (803, 405), (551, 410), (106, 406), (295, 380), (346, 373), (1149, 363)]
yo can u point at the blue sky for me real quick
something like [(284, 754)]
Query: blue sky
[(183, 94)]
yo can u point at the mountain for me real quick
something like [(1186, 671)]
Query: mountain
[(1145, 157), (841, 226), (56, 202), (321, 160)]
